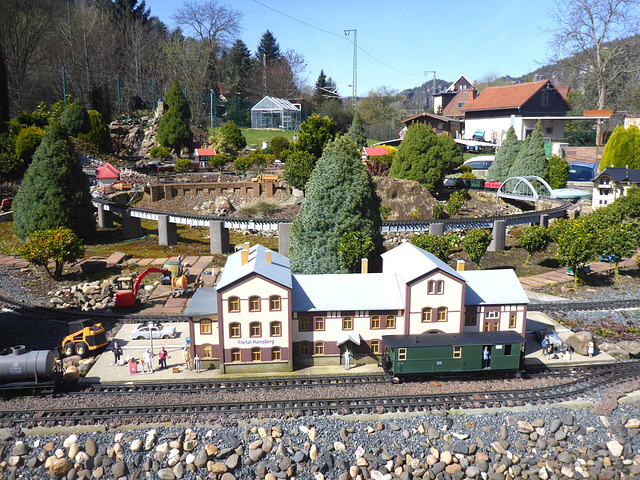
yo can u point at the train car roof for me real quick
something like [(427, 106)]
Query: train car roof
[(444, 339)]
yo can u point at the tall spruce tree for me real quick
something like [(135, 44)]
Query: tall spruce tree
[(340, 198), (174, 131), (425, 157), (55, 191), (356, 132), (268, 48), (507, 154), (532, 159)]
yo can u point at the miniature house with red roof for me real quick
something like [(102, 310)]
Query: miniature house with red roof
[(202, 156), (107, 174)]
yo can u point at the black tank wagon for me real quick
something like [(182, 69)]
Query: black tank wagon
[(442, 353), (37, 370)]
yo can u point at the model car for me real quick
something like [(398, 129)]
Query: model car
[(157, 330)]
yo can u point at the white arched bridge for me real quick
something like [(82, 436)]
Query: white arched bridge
[(531, 189)]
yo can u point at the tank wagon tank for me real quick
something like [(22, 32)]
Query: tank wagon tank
[(21, 368)]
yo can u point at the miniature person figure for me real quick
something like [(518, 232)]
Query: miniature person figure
[(187, 358), (486, 356), (196, 363), (591, 348), (545, 345), (117, 353), (148, 361), (347, 359), (162, 357)]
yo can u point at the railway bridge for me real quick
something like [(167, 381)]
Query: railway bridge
[(219, 226)]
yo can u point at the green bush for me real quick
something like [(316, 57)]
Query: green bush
[(622, 148), (182, 165), (75, 119), (233, 135), (534, 239), (475, 244), (28, 140), (59, 245), (456, 200), (278, 144), (98, 133), (558, 172), (163, 153), (385, 212), (438, 245)]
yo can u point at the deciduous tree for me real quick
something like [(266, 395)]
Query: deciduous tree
[(576, 242), (340, 198), (438, 245), (55, 191), (352, 248), (534, 239), (298, 168), (59, 245), (475, 244)]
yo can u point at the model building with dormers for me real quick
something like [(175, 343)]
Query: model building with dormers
[(261, 317)]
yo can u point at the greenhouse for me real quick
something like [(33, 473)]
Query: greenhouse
[(272, 112)]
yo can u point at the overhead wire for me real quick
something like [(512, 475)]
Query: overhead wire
[(338, 36)]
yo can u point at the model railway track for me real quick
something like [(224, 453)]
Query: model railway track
[(237, 385), (584, 306), (581, 388)]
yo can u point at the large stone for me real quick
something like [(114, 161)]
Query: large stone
[(614, 350), (579, 341), (632, 347), (60, 466)]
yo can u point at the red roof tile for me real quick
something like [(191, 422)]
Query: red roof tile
[(509, 96), (452, 109), (205, 152), (107, 171), (375, 151)]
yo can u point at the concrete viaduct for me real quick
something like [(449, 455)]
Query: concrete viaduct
[(219, 226)]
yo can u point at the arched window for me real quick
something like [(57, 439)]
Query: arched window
[(256, 355), (391, 321), (374, 346), (234, 330), (254, 304), (234, 304), (207, 351), (512, 320), (304, 348), (318, 348), (303, 324), (426, 315), (205, 326), (318, 324), (442, 314), (431, 287), (274, 303), (255, 329), (275, 329), (375, 322), (276, 354), (440, 286), (347, 323), (235, 355)]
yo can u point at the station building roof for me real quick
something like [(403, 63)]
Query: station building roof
[(410, 262), (493, 287), (277, 270), (203, 303)]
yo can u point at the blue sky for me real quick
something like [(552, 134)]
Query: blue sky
[(397, 44)]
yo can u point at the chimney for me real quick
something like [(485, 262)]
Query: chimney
[(246, 246), (460, 265), (364, 263), (267, 256), (244, 256)]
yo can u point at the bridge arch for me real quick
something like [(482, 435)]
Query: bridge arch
[(530, 188)]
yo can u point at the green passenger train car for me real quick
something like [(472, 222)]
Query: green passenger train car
[(442, 353)]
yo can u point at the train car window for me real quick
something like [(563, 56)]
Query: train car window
[(276, 354), (402, 354), (457, 352), (507, 350), (347, 323)]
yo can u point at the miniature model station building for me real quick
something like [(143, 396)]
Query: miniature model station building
[(262, 318)]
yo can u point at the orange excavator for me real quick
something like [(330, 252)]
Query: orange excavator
[(128, 288)]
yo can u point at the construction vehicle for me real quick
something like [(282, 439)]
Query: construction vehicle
[(85, 336), (122, 185), (265, 177), (128, 287)]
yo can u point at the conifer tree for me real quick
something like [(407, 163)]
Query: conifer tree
[(505, 157), (532, 159), (268, 48), (55, 191), (174, 130), (622, 148), (340, 198), (356, 132)]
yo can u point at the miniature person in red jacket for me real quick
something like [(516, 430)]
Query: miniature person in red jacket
[(162, 357)]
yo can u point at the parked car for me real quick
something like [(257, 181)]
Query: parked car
[(582, 172), (157, 330), (480, 163)]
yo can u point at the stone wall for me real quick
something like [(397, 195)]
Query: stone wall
[(171, 190)]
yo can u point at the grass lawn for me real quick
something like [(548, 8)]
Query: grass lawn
[(256, 136)]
